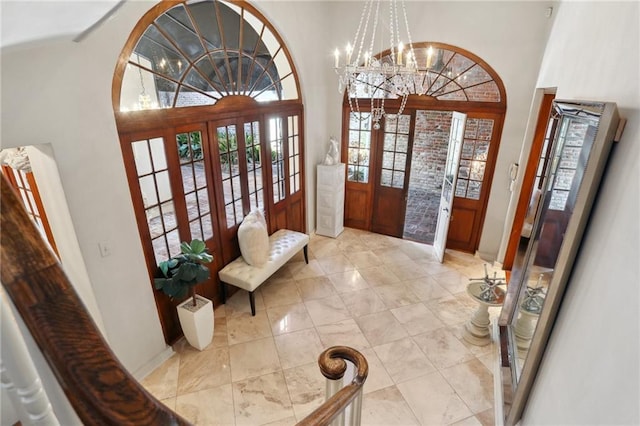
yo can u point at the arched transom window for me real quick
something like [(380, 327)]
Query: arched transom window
[(198, 53)]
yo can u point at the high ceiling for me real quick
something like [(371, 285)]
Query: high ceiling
[(28, 21)]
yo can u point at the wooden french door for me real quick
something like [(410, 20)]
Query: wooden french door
[(173, 193), (393, 167), (475, 174)]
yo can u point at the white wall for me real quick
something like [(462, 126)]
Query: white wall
[(59, 92), (590, 372)]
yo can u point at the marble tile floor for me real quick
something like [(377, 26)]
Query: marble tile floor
[(386, 297)]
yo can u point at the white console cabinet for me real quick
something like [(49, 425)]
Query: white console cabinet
[(330, 200)]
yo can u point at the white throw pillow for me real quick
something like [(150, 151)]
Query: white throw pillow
[(254, 239)]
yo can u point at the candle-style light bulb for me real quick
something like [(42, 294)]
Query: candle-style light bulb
[(337, 57), (429, 56), (349, 50), (400, 48)]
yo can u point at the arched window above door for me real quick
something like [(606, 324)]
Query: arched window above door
[(448, 73), (198, 53)]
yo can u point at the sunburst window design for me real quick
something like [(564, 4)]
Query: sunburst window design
[(197, 53), (445, 74)]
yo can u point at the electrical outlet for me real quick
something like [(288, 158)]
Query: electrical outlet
[(105, 248)]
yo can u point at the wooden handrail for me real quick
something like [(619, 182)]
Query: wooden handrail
[(97, 385), (333, 366)]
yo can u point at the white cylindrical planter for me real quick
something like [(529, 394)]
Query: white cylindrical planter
[(197, 322)]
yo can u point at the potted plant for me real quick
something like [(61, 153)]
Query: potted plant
[(180, 275)]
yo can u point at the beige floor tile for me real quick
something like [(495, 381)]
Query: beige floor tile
[(451, 310), (163, 381), (254, 358), (348, 281), (469, 421), (203, 370), (353, 245), (452, 281), (170, 403), (379, 276), (327, 310), (426, 289), (380, 328), (391, 255), (343, 333), (404, 360), (220, 337), (408, 270), (246, 327), (301, 270), (285, 319), (417, 251), (362, 259), (298, 348), (433, 400), (335, 264), (283, 422), (238, 303), (417, 319), (473, 383), (396, 295), (315, 288), (443, 348), (306, 388), (323, 247), (212, 406), (363, 302), (487, 417), (386, 407), (277, 292), (378, 377), (458, 330), (261, 400)]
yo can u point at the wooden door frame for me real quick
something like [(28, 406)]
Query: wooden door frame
[(528, 180)]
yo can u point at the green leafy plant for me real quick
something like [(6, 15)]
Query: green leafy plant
[(182, 272)]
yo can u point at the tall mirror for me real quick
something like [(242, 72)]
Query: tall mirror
[(583, 133)]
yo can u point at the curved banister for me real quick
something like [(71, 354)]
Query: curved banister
[(333, 366), (98, 387)]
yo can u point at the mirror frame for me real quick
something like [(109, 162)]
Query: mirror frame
[(516, 382)]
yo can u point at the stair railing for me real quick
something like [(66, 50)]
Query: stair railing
[(98, 387), (340, 400)]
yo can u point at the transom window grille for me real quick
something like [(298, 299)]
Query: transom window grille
[(199, 52), (448, 75)]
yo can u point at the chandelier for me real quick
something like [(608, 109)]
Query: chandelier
[(396, 75)]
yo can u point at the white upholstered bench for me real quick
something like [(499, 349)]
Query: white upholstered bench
[(283, 245)]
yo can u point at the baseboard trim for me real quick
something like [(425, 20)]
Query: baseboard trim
[(153, 363)]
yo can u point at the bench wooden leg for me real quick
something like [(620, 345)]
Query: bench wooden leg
[(252, 301), (223, 292), (306, 257)]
